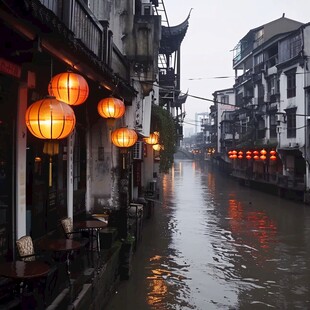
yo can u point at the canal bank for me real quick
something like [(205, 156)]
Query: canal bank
[(276, 184)]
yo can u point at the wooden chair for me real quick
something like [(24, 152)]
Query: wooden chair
[(26, 252), (67, 226)]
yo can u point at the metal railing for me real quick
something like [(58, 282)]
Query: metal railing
[(80, 20)]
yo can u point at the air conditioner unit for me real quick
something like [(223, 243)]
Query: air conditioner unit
[(138, 150)]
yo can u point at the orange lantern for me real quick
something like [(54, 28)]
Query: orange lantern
[(256, 157), (263, 152), (152, 139), (69, 87), (262, 157), (157, 147), (124, 137), (111, 108), (50, 119), (51, 147), (273, 157), (272, 152)]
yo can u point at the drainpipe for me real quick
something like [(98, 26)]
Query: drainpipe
[(306, 125)]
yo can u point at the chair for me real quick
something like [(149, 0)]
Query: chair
[(26, 252), (25, 248), (82, 237), (67, 226)]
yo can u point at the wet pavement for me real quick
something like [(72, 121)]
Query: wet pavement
[(213, 244)]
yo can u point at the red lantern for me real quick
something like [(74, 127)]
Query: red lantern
[(69, 87), (50, 119), (273, 157), (124, 137), (272, 152), (255, 153), (256, 157), (262, 157), (263, 152), (111, 109), (153, 138)]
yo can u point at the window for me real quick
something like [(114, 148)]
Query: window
[(291, 83), (225, 99), (291, 123), (273, 126)]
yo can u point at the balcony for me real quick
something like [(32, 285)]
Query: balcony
[(81, 22)]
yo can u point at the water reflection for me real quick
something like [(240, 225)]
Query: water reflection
[(213, 244)]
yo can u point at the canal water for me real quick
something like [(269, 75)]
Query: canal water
[(214, 244)]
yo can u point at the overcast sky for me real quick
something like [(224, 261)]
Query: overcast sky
[(215, 28)]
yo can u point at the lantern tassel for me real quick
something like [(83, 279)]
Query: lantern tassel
[(50, 176), (124, 162)]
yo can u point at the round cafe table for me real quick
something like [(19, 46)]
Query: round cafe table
[(21, 270), (61, 245), (93, 226), (26, 272)]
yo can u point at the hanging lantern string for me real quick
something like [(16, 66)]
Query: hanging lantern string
[(116, 86)]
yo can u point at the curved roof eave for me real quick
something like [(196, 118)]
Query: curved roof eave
[(172, 37)]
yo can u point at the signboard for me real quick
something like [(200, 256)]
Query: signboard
[(10, 68)]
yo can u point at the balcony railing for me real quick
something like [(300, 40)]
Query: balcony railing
[(80, 20)]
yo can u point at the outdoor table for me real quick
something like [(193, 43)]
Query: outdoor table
[(24, 272), (93, 226), (61, 246)]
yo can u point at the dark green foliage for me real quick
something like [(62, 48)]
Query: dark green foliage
[(163, 122)]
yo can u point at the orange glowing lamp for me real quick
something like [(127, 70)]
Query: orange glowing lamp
[(69, 87), (50, 119), (111, 108), (152, 139), (124, 137)]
